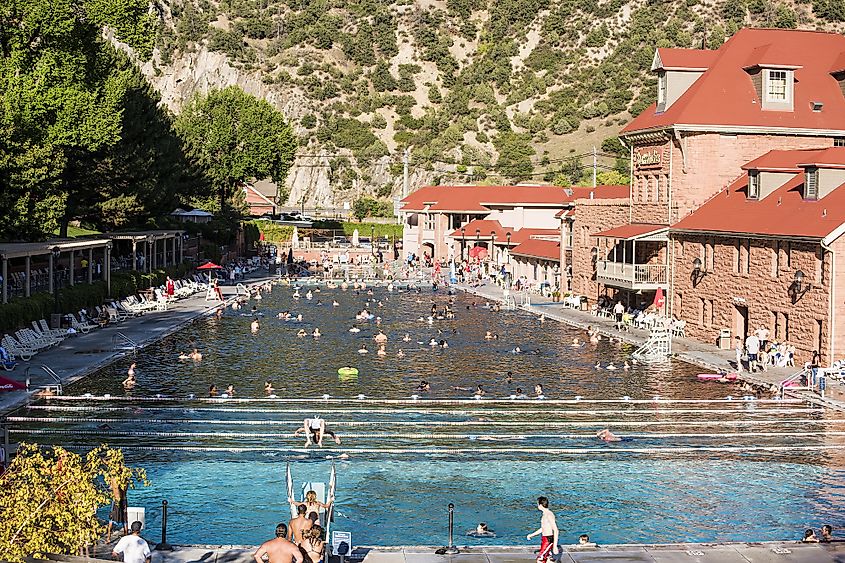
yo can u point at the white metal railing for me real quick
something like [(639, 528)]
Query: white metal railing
[(633, 273), (127, 343), (56, 387)]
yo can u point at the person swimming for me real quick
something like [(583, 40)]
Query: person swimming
[(576, 343), (538, 391), (509, 378), (230, 390), (254, 325), (354, 329), (381, 351), (520, 394), (406, 338), (444, 344), (316, 333), (432, 342), (400, 353), (268, 387), (479, 391), (363, 349), (611, 366), (130, 380), (212, 391), (301, 333), (488, 335), (424, 386), (607, 436)]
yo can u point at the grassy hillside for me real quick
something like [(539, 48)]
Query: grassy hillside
[(478, 88)]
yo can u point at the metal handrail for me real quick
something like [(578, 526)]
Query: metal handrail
[(791, 379), (49, 371), (132, 344)]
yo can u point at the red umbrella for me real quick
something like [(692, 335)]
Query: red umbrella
[(659, 298), (478, 252), (7, 384), (209, 266)]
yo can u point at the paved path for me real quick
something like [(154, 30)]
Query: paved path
[(786, 552), (82, 354), (691, 351)]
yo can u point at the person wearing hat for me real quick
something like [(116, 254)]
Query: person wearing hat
[(133, 547)]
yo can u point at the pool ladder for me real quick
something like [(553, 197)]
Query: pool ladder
[(55, 387), (126, 343)]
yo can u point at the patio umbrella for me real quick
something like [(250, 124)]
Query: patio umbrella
[(294, 240), (7, 384), (209, 266), (478, 252), (355, 237), (659, 299)]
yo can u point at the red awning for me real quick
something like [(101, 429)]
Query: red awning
[(633, 231), (7, 384)]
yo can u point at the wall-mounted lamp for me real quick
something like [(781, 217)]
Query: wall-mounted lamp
[(697, 272)]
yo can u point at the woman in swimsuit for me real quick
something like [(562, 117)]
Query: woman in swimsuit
[(311, 503), (313, 544)]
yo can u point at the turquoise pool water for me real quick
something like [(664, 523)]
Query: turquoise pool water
[(699, 463)]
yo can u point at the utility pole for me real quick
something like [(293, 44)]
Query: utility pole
[(406, 154), (595, 165)]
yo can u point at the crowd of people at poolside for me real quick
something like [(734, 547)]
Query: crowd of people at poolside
[(758, 353)]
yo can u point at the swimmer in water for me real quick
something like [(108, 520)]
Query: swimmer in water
[(598, 365), (335, 304), (316, 333), (626, 366), (299, 317), (254, 326), (479, 392), (444, 344), (516, 350), (607, 436), (610, 366), (354, 329), (509, 378), (212, 391), (520, 394), (488, 335), (432, 342), (381, 351), (575, 343), (538, 390), (406, 338), (130, 381), (230, 390), (196, 355), (131, 371), (400, 353), (301, 332), (268, 387), (363, 349), (424, 386)]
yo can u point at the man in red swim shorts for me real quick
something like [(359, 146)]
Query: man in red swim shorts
[(548, 530)]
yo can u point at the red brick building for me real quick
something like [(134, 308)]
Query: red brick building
[(716, 112)]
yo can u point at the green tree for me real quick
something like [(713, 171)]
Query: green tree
[(61, 100), (515, 154), (49, 499), (236, 137)]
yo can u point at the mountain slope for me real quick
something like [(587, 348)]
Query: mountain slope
[(500, 90)]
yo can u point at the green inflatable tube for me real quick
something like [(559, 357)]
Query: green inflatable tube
[(347, 371)]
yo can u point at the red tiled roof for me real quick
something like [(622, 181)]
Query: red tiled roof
[(685, 58), (831, 157), (478, 198), (784, 212), (525, 234), (632, 230), (538, 248), (725, 95), (781, 161), (485, 227)]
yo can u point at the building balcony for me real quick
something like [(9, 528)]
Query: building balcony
[(632, 276)]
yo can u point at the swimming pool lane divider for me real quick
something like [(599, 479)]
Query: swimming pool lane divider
[(608, 449), (413, 436), (427, 402), (431, 423), (740, 408)]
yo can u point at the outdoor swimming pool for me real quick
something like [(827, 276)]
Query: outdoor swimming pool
[(697, 466)]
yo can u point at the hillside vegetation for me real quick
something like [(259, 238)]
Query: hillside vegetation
[(478, 88)]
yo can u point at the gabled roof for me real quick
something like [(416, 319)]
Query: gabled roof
[(480, 199), (783, 213), (683, 59), (724, 95), (831, 157), (781, 161), (538, 248), (485, 228)]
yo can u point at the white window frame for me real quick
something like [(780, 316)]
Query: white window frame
[(811, 177), (661, 87), (770, 81), (753, 184)]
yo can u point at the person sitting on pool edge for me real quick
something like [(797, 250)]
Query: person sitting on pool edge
[(312, 505)]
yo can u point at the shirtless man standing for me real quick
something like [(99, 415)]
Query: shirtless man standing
[(298, 525), (548, 530), (278, 550)]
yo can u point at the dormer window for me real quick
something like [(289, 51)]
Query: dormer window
[(811, 183), (753, 184), (777, 86)]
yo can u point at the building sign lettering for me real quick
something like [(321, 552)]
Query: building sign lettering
[(648, 158)]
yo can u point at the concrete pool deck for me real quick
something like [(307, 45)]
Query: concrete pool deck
[(82, 354), (685, 349), (787, 552)]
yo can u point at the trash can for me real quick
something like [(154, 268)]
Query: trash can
[(55, 320), (724, 341)]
